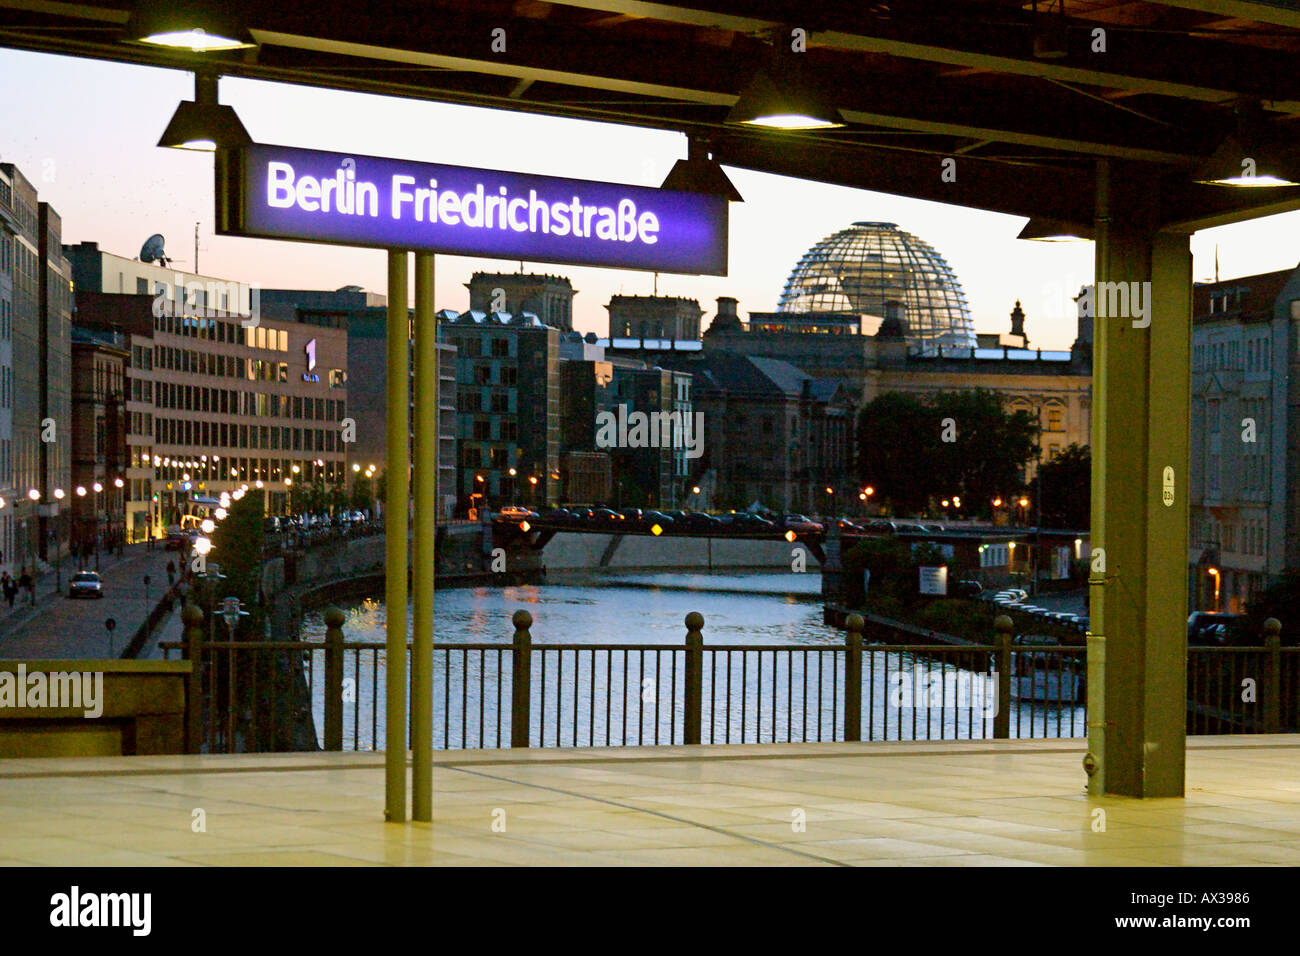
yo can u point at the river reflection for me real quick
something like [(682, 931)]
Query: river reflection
[(600, 697)]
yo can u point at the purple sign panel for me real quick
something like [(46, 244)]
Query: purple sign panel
[(279, 192)]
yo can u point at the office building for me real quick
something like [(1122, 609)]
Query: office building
[(97, 496), (237, 398), (507, 407), (1245, 438), (37, 458), (365, 316)]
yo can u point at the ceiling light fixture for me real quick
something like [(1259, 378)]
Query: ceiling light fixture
[(1250, 156), (200, 26), (1043, 229), (204, 124), (779, 97), (700, 173), (1051, 33)]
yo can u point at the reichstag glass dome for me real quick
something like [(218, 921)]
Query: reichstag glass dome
[(859, 269)]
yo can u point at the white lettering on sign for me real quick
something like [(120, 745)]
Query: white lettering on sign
[(344, 193)]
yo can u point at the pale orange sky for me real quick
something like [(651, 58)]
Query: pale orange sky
[(85, 131)]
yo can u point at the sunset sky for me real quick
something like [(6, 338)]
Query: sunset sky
[(84, 132)]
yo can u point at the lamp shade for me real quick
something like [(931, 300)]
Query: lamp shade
[(790, 105), (1247, 160), (1044, 229), (201, 26), (204, 126), (699, 173)]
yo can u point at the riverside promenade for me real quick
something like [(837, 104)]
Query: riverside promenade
[(59, 628)]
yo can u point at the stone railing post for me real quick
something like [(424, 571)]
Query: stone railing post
[(1273, 689), (853, 678), (192, 619), (1002, 719), (521, 680), (693, 708), (334, 619)]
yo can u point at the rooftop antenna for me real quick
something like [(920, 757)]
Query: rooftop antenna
[(152, 251), (1216, 262), (196, 248)]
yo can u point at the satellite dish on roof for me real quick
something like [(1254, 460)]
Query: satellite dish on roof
[(152, 251)]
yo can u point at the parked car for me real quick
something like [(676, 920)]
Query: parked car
[(1212, 629), (664, 520), (85, 584), (176, 541), (969, 589), (799, 523), (699, 521), (745, 522)]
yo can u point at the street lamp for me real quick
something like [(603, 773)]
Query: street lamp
[(231, 611), (1214, 573)]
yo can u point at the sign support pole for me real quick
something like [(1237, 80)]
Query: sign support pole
[(395, 526), (426, 503)]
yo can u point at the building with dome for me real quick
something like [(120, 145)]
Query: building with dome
[(851, 281), (873, 309)]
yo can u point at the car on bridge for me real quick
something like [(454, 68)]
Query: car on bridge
[(800, 523), (517, 511), (745, 522)]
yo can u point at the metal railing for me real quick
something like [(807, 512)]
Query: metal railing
[(290, 694)]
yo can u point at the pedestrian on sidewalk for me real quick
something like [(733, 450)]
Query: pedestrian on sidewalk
[(171, 573), (28, 584), (9, 588)]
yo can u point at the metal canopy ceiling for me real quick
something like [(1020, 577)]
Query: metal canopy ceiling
[(918, 81)]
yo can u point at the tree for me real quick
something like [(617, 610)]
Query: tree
[(991, 447), (892, 456), (237, 547), (961, 443), (1067, 489), (363, 497)]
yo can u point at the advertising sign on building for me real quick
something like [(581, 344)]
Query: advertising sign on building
[(934, 580), (281, 192)]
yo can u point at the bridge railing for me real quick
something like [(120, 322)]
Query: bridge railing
[(529, 694)]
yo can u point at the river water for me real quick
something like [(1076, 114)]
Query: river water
[(593, 697)]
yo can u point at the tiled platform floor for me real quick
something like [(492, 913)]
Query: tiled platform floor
[(928, 804)]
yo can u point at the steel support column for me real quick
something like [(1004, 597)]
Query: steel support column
[(426, 502), (396, 502), (1141, 403)]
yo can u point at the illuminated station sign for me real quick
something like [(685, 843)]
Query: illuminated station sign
[(279, 192)]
